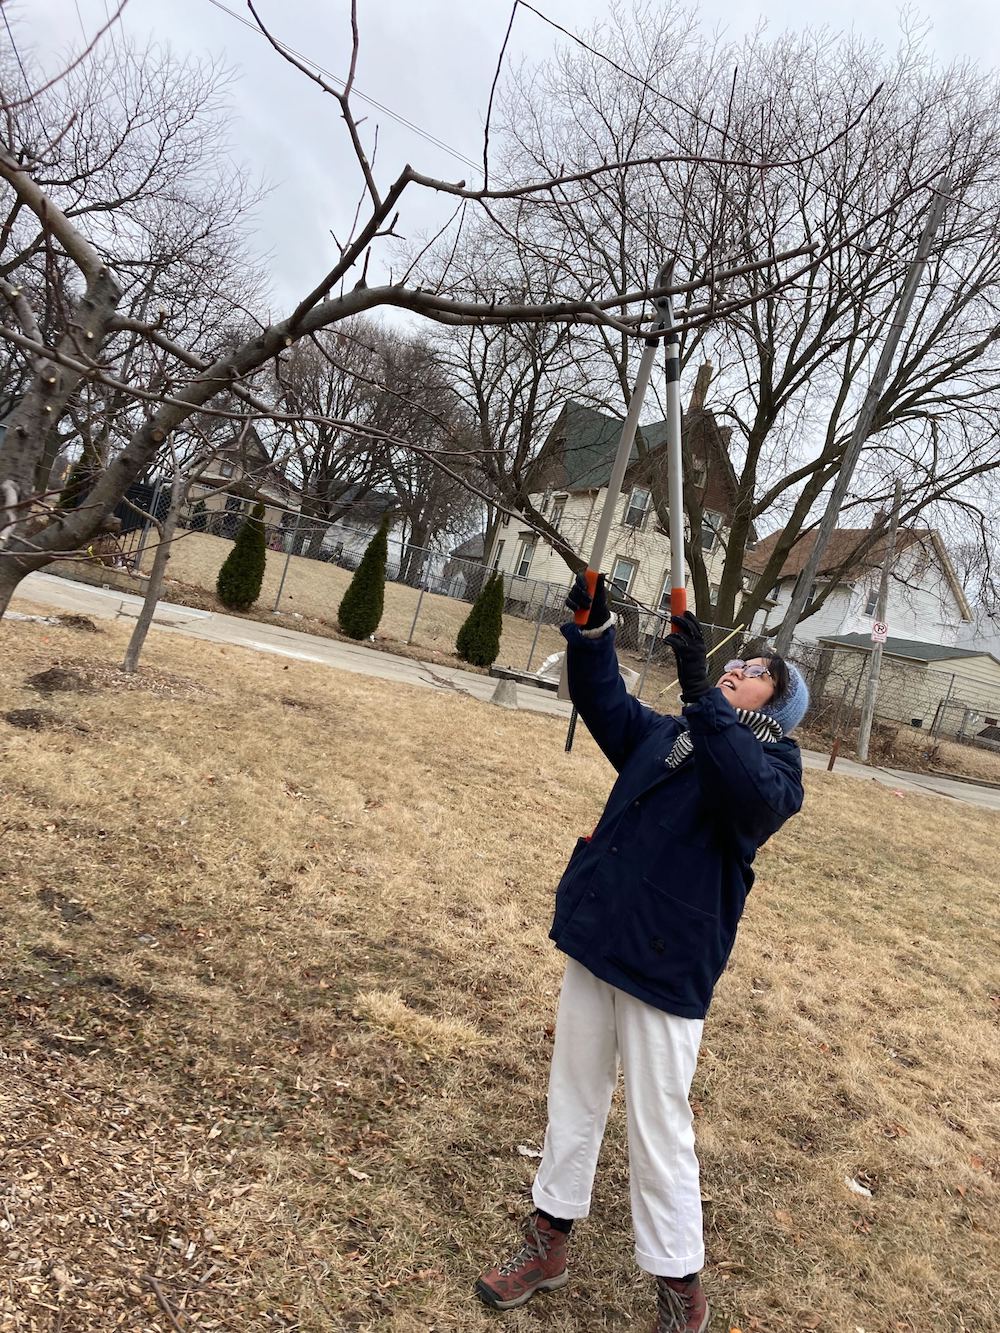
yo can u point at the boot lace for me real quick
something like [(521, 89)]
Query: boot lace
[(673, 1309), (536, 1246)]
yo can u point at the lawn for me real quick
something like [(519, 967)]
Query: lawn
[(277, 1006)]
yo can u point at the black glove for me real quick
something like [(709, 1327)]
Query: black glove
[(688, 644), (579, 599)]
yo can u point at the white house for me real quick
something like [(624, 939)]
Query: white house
[(573, 469), (982, 633), (926, 603)]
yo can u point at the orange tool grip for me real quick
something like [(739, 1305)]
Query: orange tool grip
[(678, 601), (590, 576)]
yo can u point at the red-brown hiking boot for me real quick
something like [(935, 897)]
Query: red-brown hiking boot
[(680, 1306), (539, 1265)]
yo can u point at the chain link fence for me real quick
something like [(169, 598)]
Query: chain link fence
[(920, 710), (429, 593)]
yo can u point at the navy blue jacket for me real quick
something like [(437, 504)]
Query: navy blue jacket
[(651, 902)]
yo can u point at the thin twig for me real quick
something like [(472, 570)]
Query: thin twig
[(667, 689), (57, 78), (165, 1305), (493, 89)]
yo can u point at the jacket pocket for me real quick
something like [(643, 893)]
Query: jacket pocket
[(667, 944), (570, 887)]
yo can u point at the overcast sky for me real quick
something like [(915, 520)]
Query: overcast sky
[(430, 61)]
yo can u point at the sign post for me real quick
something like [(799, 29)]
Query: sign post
[(880, 631)]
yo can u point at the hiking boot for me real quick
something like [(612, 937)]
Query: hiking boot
[(539, 1265), (680, 1306)]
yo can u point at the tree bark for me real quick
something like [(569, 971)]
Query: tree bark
[(167, 530)]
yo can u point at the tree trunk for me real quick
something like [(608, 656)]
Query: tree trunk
[(10, 576), (167, 530)]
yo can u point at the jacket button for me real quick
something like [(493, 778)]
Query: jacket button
[(657, 945), (591, 894), (614, 850), (635, 805)]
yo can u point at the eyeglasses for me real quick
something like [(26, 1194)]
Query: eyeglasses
[(750, 672)]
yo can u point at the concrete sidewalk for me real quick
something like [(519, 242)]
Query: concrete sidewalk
[(258, 636)]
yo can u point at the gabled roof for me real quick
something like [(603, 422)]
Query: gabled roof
[(580, 450), (473, 549), (914, 650), (843, 541), (247, 449), (840, 548)]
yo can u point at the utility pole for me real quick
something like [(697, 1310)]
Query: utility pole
[(863, 424), (875, 661)]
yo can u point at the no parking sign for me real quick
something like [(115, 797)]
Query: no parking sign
[(880, 631)]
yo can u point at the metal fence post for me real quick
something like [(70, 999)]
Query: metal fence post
[(420, 598), (649, 657), (942, 709), (288, 561), (538, 626), (153, 509)]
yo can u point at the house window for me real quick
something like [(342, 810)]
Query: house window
[(558, 509), (623, 573), (665, 594), (710, 525), (637, 507), (524, 553), (698, 472), (871, 606), (227, 470), (499, 553)]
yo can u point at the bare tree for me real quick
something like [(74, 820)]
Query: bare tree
[(130, 145), (328, 388), (791, 359), (510, 380), (79, 345)]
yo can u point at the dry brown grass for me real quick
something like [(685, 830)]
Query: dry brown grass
[(915, 750), (277, 1004)]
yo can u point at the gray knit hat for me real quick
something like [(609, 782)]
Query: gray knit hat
[(790, 709)]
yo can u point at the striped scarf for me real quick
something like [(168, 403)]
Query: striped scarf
[(763, 727)]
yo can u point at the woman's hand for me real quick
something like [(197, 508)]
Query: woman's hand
[(688, 643), (578, 599)]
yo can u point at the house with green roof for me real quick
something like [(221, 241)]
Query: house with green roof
[(571, 474)]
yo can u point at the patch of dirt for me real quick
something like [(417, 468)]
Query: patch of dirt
[(60, 963), (57, 679), (95, 674), (70, 621), (30, 719), (69, 909), (136, 997), (36, 719), (298, 703)]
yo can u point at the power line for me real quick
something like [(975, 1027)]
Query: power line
[(13, 44), (355, 91)]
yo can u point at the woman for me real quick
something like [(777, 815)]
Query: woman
[(647, 911)]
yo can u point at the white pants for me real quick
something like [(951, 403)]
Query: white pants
[(596, 1026)]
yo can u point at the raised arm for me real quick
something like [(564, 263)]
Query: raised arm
[(616, 720)]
